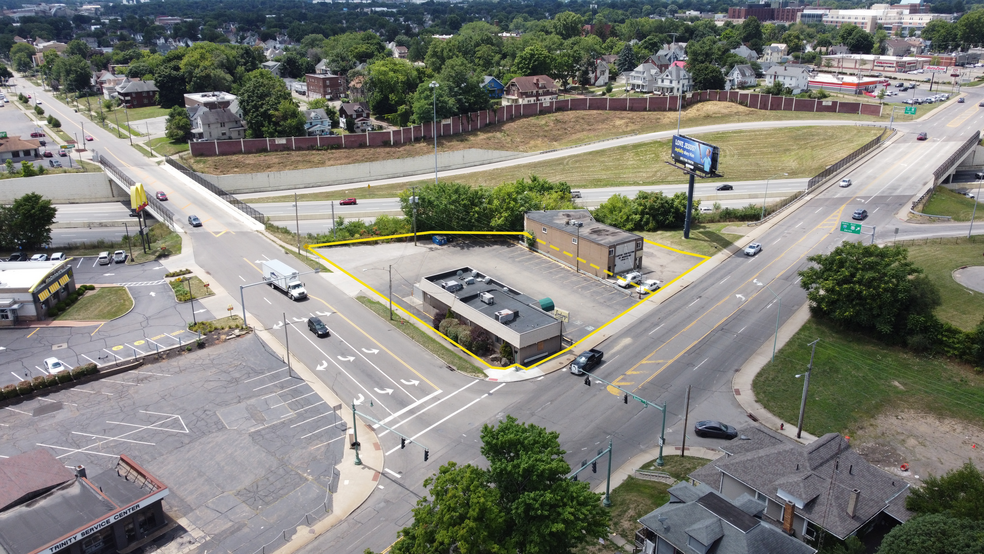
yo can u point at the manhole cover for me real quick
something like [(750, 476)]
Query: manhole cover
[(59, 346)]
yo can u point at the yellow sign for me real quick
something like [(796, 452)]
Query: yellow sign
[(138, 197), (562, 315)]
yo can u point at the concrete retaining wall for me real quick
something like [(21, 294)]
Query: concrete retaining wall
[(342, 174), (63, 188)]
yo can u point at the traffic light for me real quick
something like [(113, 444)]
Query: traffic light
[(625, 399), (403, 442), (587, 380), (426, 454), (594, 467)]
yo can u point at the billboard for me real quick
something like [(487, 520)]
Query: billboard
[(937, 68), (695, 154)]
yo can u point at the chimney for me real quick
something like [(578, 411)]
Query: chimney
[(80, 471), (787, 518), (852, 502)]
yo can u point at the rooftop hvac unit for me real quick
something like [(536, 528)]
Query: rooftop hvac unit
[(487, 298), (469, 280), (504, 316), (486, 279)]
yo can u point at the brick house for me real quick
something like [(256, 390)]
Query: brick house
[(326, 85), (530, 90), (134, 93)]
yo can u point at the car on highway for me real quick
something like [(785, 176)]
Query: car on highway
[(119, 257), (753, 249), (54, 365), (161, 195), (348, 202), (586, 361), (89, 138), (194, 221), (725, 187), (968, 194), (103, 258), (860, 215), (650, 285), (38, 101), (922, 136), (845, 183), (630, 278), (715, 430), (318, 327), (575, 194), (57, 256), (960, 100), (39, 258)]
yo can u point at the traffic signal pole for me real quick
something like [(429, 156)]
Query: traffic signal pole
[(607, 502), (646, 403), (403, 438)]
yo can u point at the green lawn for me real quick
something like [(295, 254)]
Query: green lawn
[(198, 288), (149, 112), (164, 147), (939, 258), (854, 378), (946, 202), (101, 304), (706, 239)]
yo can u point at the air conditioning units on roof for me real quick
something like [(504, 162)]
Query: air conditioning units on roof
[(504, 316), (487, 298)]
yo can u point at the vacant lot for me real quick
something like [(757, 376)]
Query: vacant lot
[(706, 240), (959, 207), (102, 304), (530, 134), (939, 258)]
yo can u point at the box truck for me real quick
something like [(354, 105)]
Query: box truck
[(282, 276)]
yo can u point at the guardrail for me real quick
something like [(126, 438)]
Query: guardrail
[(235, 202), (954, 159), (164, 214), (844, 162)]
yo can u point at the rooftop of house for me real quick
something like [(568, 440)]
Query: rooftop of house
[(534, 83)]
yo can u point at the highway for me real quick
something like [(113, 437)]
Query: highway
[(697, 337)]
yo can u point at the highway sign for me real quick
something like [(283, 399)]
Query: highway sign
[(848, 227), (3, 134), (67, 146), (910, 110)]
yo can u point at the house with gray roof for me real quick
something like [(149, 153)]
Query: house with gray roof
[(643, 78), (216, 124), (741, 76), (134, 93), (698, 519), (746, 52), (792, 76), (675, 80), (822, 486)]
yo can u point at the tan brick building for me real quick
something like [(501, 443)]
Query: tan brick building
[(575, 238)]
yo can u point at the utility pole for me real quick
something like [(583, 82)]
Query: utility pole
[(806, 387), (287, 343), (686, 415), (297, 224), (334, 231), (391, 291), (413, 198)]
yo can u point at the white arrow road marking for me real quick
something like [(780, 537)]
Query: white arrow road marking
[(383, 373), (323, 313), (373, 351), (346, 358), (200, 311), (384, 391), (359, 400), (159, 267), (299, 319), (258, 261), (322, 366), (740, 297), (278, 325), (411, 382), (153, 294), (108, 274)]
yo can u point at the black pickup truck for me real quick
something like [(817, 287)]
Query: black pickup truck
[(586, 361)]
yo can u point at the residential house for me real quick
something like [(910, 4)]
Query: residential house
[(746, 52), (134, 93), (530, 90), (675, 80), (599, 77), (838, 50), (272, 67), (107, 81), (792, 76), (322, 67), (643, 78), (316, 123), (918, 45), (326, 85), (358, 112), (210, 100), (661, 61), (741, 76), (493, 86), (821, 486), (775, 53), (674, 51), (216, 124), (698, 519), (399, 52), (18, 149), (897, 47), (357, 90)]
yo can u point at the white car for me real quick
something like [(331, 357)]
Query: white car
[(39, 258), (753, 249), (54, 365), (57, 256), (845, 183), (969, 194), (650, 285), (631, 278)]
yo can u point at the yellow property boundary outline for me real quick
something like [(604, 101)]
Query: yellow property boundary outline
[(517, 366)]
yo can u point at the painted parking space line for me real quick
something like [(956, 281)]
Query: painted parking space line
[(320, 430), (265, 375), (19, 378), (41, 370), (312, 419), (90, 435), (120, 382), (273, 383), (114, 355), (135, 348), (15, 410), (90, 359), (74, 450)]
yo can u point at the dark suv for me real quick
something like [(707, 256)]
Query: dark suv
[(17, 257), (318, 327)]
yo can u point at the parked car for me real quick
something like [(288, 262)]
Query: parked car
[(725, 187), (586, 361), (650, 285), (62, 153), (318, 327), (103, 258), (119, 257), (860, 215), (979, 175), (17, 257), (54, 163), (715, 430), (194, 221), (43, 142), (845, 183), (54, 365), (348, 202), (161, 195), (753, 249), (969, 194), (48, 154), (39, 258), (922, 136), (630, 278), (36, 134), (57, 256)]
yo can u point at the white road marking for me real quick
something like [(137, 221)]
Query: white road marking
[(311, 419), (656, 329), (423, 410), (742, 329), (465, 407), (241, 277), (700, 364), (694, 302), (818, 210), (415, 404), (393, 473), (90, 435), (268, 301), (347, 374), (383, 373), (273, 383), (120, 382), (725, 279)]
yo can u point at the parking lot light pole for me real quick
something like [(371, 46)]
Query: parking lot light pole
[(977, 200), (765, 198), (778, 311)]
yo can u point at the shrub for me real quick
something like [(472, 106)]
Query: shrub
[(465, 338), (23, 388), (90, 369), (53, 312), (447, 324), (64, 376), (55, 123), (51, 380), (78, 372), (39, 382), (9, 391), (506, 353), (39, 110)]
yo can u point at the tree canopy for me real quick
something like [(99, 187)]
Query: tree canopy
[(935, 534), (27, 222), (266, 105), (959, 493)]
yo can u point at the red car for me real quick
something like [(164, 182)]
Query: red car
[(48, 154), (161, 196), (348, 202), (37, 134), (922, 136), (89, 137), (62, 153)]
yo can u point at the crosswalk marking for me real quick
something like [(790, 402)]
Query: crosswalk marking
[(141, 283)]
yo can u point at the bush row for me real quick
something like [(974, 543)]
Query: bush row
[(205, 327), (473, 339), (44, 381), (70, 301), (178, 273)]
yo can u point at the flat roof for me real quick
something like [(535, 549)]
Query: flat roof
[(528, 317), (24, 275), (591, 230)]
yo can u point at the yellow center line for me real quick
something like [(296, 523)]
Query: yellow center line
[(35, 331), (98, 328), (960, 119), (128, 166)]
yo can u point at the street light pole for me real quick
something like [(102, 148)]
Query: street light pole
[(806, 387), (765, 198), (355, 437), (778, 312), (977, 200), (129, 131), (433, 86)]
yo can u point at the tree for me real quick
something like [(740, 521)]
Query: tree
[(5, 74), (618, 211), (20, 56), (74, 73), (534, 60), (626, 59), (28, 221), (391, 84), (170, 82), (285, 121), (861, 286), (977, 346), (77, 48), (704, 51), (568, 25), (935, 534), (751, 30), (970, 28), (178, 126), (260, 95), (707, 77), (522, 503), (959, 494)]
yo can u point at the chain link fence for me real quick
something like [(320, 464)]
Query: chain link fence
[(237, 203)]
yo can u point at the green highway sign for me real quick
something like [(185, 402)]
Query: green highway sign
[(848, 227), (67, 146), (910, 110), (3, 134)]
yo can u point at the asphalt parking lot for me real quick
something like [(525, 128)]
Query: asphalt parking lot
[(157, 321), (245, 448), (591, 302), (18, 124)]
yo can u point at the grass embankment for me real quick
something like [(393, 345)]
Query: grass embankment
[(287, 236), (529, 134), (163, 241), (422, 338), (102, 304), (164, 147), (707, 239), (939, 257), (855, 377), (947, 202), (197, 286)]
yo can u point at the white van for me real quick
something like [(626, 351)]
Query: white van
[(103, 258)]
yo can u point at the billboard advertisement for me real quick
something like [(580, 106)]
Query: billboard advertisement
[(695, 154), (937, 68)]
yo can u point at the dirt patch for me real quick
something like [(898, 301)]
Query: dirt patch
[(928, 444)]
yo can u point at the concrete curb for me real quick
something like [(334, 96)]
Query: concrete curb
[(635, 462)]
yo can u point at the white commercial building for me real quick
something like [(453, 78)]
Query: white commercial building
[(883, 14), (29, 289)]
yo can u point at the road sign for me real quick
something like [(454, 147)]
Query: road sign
[(848, 227), (67, 146), (3, 134), (937, 68), (910, 110)]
